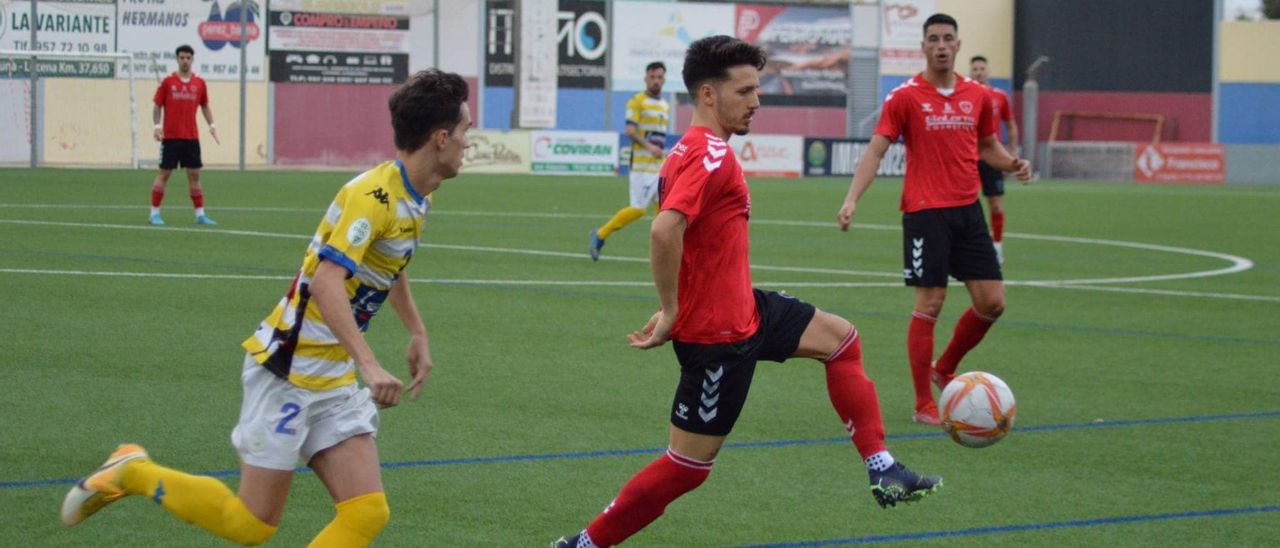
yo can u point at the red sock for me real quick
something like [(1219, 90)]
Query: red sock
[(197, 199), (646, 496), (969, 332), (157, 196), (997, 225), (854, 396), (920, 355)]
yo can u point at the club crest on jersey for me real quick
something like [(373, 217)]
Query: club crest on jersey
[(966, 106), (358, 232)]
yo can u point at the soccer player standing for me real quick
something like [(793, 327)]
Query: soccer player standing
[(992, 178), (176, 100), (648, 115), (945, 121), (301, 402), (718, 323)]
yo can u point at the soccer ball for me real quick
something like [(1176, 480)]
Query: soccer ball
[(977, 409)]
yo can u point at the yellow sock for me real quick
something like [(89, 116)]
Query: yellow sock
[(200, 500), (358, 522), (623, 217)]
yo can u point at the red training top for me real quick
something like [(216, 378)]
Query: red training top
[(941, 134), (179, 100), (1000, 109), (701, 178)]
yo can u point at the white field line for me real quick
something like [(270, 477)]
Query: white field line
[(1238, 264)]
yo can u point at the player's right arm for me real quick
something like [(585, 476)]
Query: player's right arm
[(666, 247), (634, 107), (893, 121), (329, 292), (863, 176), (157, 113)]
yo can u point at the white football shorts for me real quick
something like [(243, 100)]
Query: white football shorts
[(282, 425), (644, 189)]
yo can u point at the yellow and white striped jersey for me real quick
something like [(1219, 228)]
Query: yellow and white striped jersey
[(371, 229), (650, 116)]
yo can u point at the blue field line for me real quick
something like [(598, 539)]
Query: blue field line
[(732, 445), (1021, 528)]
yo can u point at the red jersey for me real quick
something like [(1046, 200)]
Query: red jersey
[(179, 100), (701, 178), (941, 134), (1000, 109)]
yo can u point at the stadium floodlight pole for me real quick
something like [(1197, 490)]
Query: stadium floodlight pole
[(34, 77), (244, 57), (1030, 108), (1215, 93), (481, 65), (435, 33)]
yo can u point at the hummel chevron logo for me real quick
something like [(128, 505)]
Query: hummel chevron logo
[(707, 415), (917, 242), (848, 425), (709, 165), (710, 388), (916, 252), (715, 375), (715, 152), (917, 263)]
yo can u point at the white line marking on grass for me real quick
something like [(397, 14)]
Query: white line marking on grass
[(1238, 264)]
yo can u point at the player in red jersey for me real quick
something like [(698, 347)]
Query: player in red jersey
[(945, 120), (176, 99), (718, 323), (992, 178)]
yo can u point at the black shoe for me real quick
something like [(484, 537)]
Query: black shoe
[(900, 484), (571, 542)]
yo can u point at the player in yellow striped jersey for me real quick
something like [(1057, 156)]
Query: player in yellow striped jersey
[(648, 116), (301, 401)]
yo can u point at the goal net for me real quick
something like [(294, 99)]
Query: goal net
[(85, 109)]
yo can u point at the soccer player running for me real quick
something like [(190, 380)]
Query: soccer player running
[(647, 118), (176, 100), (992, 178), (945, 122), (301, 402), (718, 324)]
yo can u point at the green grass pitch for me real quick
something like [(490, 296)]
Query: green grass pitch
[(538, 412)]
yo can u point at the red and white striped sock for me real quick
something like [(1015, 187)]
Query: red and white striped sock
[(854, 396), (646, 496)]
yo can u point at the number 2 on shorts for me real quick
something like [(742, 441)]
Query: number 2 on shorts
[(291, 411)]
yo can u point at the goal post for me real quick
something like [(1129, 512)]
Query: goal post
[(78, 100)]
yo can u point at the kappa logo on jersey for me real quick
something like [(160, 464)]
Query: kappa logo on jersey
[(379, 195), (716, 149)]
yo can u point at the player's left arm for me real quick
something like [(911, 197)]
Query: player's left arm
[(995, 155), (419, 350), (208, 115)]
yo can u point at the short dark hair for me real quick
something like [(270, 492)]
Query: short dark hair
[(183, 48), (711, 58), (940, 19), (977, 58), (655, 66), (428, 101)]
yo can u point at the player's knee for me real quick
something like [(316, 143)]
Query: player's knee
[(368, 513), (991, 309)]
